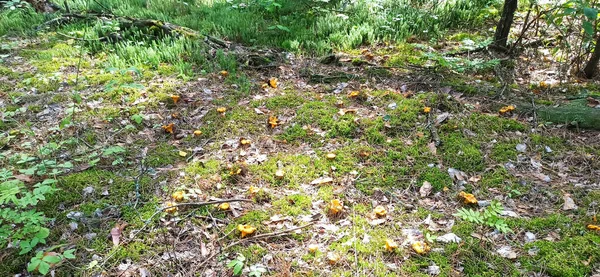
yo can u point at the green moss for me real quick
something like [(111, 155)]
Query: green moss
[(479, 259), (544, 225), (404, 54), (499, 177), (203, 169), (133, 250), (293, 205), (291, 99), (71, 190), (504, 151), (459, 153), (483, 124), (239, 121), (565, 257), (325, 117), (253, 253), (162, 155), (373, 131), (295, 133), (253, 218), (325, 193), (436, 177)]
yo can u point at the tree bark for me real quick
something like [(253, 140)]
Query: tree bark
[(503, 28), (592, 65)]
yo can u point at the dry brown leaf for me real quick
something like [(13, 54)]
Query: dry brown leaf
[(322, 181)]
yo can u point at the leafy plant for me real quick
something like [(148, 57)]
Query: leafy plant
[(19, 221), (237, 265), (43, 261), (490, 216)]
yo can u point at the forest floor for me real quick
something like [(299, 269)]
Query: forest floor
[(379, 128)]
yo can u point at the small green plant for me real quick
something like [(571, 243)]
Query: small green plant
[(19, 221), (114, 151), (43, 261), (237, 265), (490, 216)]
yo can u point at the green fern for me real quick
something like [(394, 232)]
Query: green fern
[(490, 216)]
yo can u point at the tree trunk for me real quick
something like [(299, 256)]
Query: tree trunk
[(592, 65), (503, 28)]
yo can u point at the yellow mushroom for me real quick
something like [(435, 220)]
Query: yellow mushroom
[(171, 210), (336, 206), (468, 198), (420, 247), (224, 206), (246, 230), (380, 211), (390, 245), (177, 196)]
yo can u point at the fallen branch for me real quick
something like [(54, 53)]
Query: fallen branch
[(254, 238), (126, 22)]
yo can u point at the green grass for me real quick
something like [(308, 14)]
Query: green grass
[(296, 25)]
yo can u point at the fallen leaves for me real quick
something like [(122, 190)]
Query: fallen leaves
[(246, 230), (322, 181), (569, 203), (425, 189), (279, 174), (467, 198), (593, 102), (507, 252), (333, 258), (116, 232)]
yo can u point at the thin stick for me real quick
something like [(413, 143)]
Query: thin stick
[(269, 235), (186, 204)]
